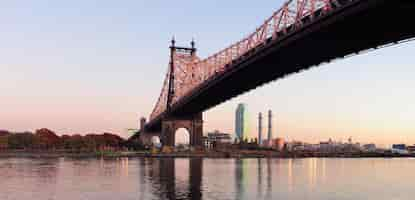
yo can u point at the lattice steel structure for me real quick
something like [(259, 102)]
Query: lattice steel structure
[(187, 72)]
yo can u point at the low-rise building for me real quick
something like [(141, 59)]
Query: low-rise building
[(369, 147), (327, 147), (399, 149), (279, 144), (411, 149), (267, 143), (295, 146), (218, 138)]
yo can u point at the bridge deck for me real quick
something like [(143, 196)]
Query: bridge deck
[(361, 25)]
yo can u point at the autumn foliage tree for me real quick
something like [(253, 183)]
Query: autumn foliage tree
[(47, 139)]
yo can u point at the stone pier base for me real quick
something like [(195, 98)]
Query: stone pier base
[(193, 124)]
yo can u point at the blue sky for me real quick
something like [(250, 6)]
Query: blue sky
[(94, 66)]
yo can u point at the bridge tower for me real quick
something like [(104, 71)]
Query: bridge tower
[(170, 124)]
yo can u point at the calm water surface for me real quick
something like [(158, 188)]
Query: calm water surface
[(68, 179)]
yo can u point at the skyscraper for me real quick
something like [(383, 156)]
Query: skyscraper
[(260, 129), (241, 123)]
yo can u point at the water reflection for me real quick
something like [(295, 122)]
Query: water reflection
[(167, 184), (131, 179), (240, 178), (183, 179), (269, 179), (259, 185), (195, 186), (290, 182)]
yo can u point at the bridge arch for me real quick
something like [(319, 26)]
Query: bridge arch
[(155, 141), (182, 138), (192, 125)]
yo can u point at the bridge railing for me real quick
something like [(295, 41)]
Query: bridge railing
[(293, 14)]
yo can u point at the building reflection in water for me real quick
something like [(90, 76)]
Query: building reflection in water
[(242, 182), (240, 178), (124, 167), (290, 182), (312, 172), (269, 180), (323, 169), (143, 177), (183, 178), (166, 185), (259, 188)]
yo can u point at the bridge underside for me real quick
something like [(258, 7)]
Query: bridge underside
[(356, 27), (192, 123)]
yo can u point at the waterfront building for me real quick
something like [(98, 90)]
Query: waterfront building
[(294, 146), (241, 122), (267, 143), (327, 147), (411, 149), (218, 138), (279, 144), (399, 149), (369, 147)]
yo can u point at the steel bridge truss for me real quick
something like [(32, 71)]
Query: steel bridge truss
[(189, 71)]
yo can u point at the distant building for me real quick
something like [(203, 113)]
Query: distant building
[(241, 123), (268, 143), (399, 149), (217, 138), (294, 146), (328, 146), (411, 149), (369, 147), (279, 144)]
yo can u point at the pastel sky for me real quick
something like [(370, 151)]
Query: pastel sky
[(94, 66)]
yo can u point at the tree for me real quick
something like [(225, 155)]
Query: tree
[(256, 141), (47, 139), (4, 139), (76, 143), (24, 140), (4, 133), (246, 141)]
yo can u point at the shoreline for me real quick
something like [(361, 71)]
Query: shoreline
[(218, 155)]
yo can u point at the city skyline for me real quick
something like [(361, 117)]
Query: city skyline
[(101, 74)]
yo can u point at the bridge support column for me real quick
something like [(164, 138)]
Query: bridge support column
[(146, 138), (193, 124)]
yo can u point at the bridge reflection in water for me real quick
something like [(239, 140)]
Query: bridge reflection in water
[(145, 178), (183, 178), (196, 178), (175, 178)]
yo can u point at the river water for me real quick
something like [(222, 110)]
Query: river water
[(142, 178)]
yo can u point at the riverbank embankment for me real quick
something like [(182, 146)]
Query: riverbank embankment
[(192, 154)]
